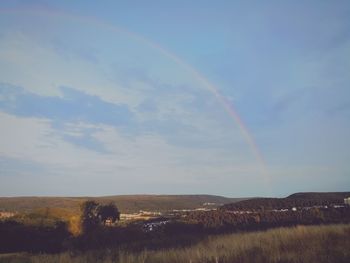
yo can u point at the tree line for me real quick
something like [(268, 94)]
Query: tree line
[(259, 204), (225, 220)]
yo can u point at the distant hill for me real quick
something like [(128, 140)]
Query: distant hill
[(294, 200), (320, 195), (125, 203)]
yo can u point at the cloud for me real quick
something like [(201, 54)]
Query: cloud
[(128, 164), (10, 167), (125, 84), (73, 106), (68, 115), (72, 52), (81, 135)]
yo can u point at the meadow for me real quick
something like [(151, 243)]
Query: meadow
[(323, 243), (126, 203)]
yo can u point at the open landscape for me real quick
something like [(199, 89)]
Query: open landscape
[(126, 203), (305, 227), (177, 131)]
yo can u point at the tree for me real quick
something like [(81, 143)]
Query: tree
[(94, 214), (109, 211), (89, 217)]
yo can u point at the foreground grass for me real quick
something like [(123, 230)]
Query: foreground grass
[(297, 244)]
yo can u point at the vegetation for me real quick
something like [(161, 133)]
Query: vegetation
[(176, 232), (125, 203), (321, 195), (49, 217), (20, 237), (135, 203), (94, 214), (94, 231), (224, 221), (297, 244), (297, 200)]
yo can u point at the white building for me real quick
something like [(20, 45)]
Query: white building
[(347, 201)]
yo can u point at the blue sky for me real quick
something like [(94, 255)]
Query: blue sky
[(101, 99)]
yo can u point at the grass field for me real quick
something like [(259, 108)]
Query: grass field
[(297, 244), (125, 203)]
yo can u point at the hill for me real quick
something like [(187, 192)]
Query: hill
[(125, 203), (320, 195), (295, 200)]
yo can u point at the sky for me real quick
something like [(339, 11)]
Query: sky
[(233, 98)]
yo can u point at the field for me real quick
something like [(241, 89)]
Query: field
[(125, 203), (305, 244), (313, 228)]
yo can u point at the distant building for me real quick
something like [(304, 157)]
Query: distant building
[(347, 201)]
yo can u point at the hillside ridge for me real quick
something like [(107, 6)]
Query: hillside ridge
[(126, 203)]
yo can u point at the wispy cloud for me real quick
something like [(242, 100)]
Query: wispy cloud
[(73, 106), (73, 116)]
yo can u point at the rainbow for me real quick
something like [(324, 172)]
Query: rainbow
[(228, 107)]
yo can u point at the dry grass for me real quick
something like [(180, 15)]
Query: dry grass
[(302, 244)]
